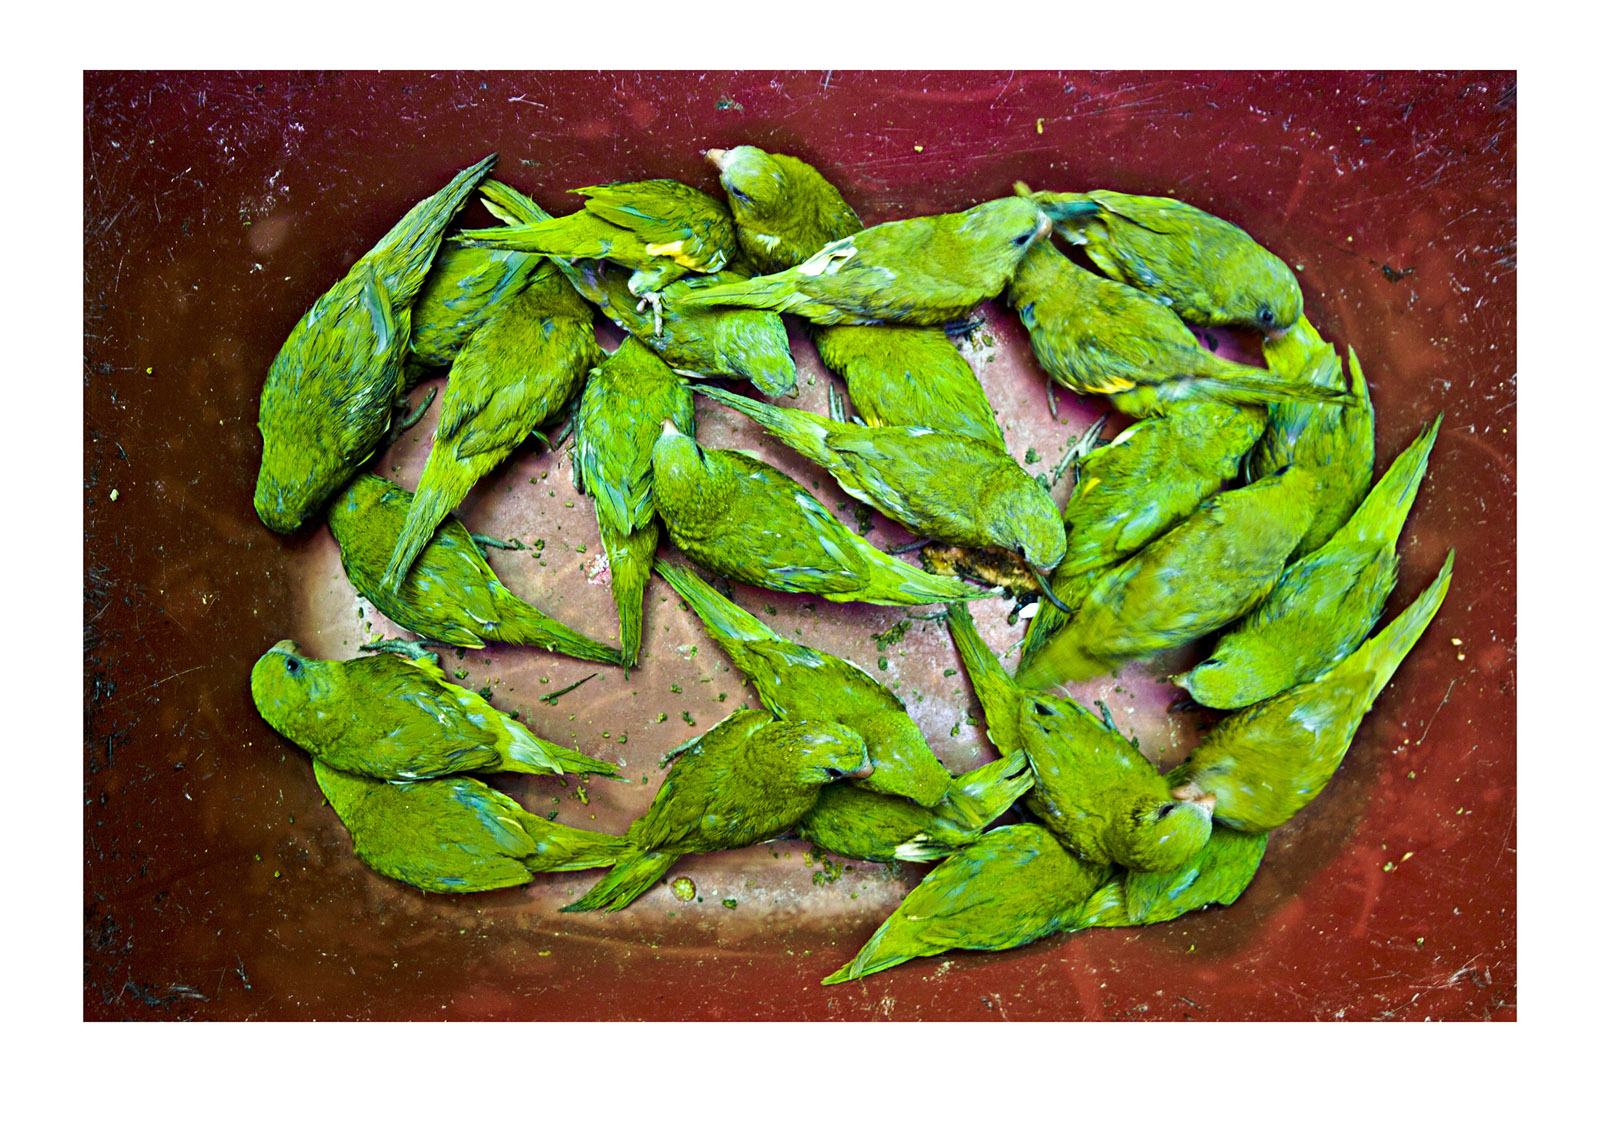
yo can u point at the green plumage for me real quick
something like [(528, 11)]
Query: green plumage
[(328, 396), (1210, 272), (1211, 568), (1096, 335), (784, 211), (1325, 603), (747, 779), (450, 595), (455, 834), (398, 719), (1335, 442), (921, 272), (625, 401), (1218, 874), (1091, 786), (849, 820), (794, 681), (659, 228), (909, 375), (465, 284), (521, 365), (1010, 887), (935, 484), (746, 520), (1267, 762)]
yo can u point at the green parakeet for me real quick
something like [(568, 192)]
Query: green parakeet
[(329, 394), (849, 820), (746, 520), (1210, 272), (391, 717), (1336, 442), (909, 375), (935, 484), (1097, 335), (455, 834), (802, 683), (522, 364), (1265, 763), (659, 228), (1091, 786), (783, 209), (1210, 569), (450, 595), (625, 401), (1013, 885), (1325, 603), (747, 779), (922, 272), (464, 285), (1218, 874)]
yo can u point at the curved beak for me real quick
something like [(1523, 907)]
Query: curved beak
[(1048, 593), (669, 429), (1275, 335), (717, 157)]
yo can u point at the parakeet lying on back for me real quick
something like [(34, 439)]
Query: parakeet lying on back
[(1265, 763), (524, 362), (660, 228), (398, 719), (749, 778), (1091, 786), (935, 484), (746, 520), (1011, 886), (784, 211), (849, 820), (909, 375), (1097, 335), (1325, 603), (619, 418), (455, 834), (922, 272), (1210, 272), (1211, 568), (450, 595), (1333, 441), (328, 396), (799, 682)]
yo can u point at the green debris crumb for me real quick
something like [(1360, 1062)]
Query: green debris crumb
[(883, 663), (683, 889), (1030, 456), (948, 672), (688, 718), (730, 902), (891, 635)]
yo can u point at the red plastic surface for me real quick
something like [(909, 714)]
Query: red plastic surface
[(217, 885)]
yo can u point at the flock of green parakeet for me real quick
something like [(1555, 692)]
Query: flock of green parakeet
[(1070, 826)]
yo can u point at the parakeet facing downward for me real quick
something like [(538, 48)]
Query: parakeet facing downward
[(922, 272), (742, 518), (455, 834), (1011, 886), (520, 366), (1210, 272), (328, 396), (1325, 603), (783, 209), (1267, 762), (1097, 335), (802, 683), (935, 484), (748, 778), (1092, 787), (624, 402), (465, 284), (398, 719), (450, 595)]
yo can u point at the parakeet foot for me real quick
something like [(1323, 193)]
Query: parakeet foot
[(1081, 447), (909, 546), (411, 649), (497, 544), (398, 425), (652, 299), (836, 406)]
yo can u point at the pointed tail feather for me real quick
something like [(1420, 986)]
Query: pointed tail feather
[(1381, 515), (893, 582), (444, 483), (634, 874), (527, 753), (509, 206), (406, 251), (630, 557), (1258, 387), (805, 432), (978, 797), (727, 622), (876, 955), (998, 695), (1382, 654), (563, 848), (759, 293), (522, 623)]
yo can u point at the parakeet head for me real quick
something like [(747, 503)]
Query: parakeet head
[(1160, 834), (1023, 519), (1268, 296), (1011, 223), (753, 179), (822, 752), (284, 685), (294, 481)]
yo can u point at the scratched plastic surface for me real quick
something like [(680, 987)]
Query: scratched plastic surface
[(217, 885)]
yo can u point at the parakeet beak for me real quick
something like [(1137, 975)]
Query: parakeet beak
[(1045, 591), (1021, 189), (669, 429), (1275, 335), (716, 157), (1044, 227), (288, 647), (862, 771), (1208, 802)]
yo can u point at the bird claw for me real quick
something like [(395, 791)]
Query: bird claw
[(411, 649), (398, 425), (652, 299)]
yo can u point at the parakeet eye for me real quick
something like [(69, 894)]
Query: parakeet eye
[(1265, 316), (739, 194), (291, 665), (1162, 812), (1022, 240)]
